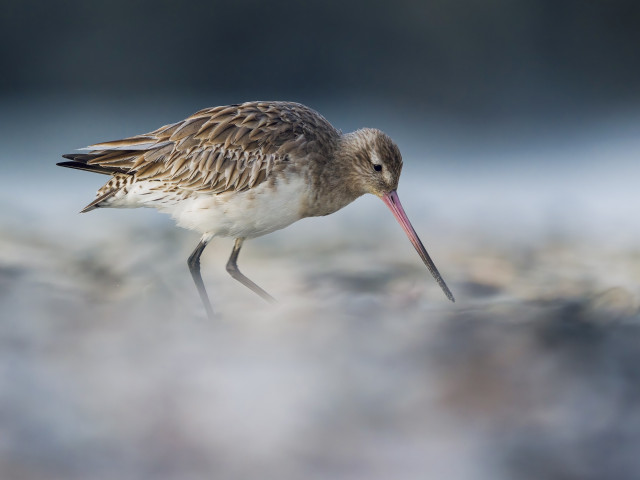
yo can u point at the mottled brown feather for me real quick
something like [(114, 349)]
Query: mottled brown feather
[(220, 149)]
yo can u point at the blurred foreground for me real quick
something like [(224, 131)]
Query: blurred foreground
[(109, 368)]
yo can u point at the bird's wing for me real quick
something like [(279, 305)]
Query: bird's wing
[(215, 150)]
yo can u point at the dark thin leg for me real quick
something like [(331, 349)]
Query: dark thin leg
[(232, 268), (194, 267)]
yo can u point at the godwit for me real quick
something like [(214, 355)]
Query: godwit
[(246, 170)]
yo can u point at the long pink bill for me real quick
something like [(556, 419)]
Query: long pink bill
[(393, 202)]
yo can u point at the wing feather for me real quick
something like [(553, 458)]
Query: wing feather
[(219, 149), (157, 155), (188, 129)]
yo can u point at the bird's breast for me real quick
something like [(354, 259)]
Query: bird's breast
[(270, 206)]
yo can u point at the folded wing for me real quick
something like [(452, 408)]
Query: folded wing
[(216, 150)]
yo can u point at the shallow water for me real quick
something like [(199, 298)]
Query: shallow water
[(363, 369)]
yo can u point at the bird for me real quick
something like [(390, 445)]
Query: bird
[(246, 170)]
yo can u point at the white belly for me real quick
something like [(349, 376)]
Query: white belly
[(248, 214)]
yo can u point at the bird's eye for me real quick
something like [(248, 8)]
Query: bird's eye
[(377, 168)]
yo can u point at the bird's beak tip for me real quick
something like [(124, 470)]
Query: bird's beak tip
[(393, 202)]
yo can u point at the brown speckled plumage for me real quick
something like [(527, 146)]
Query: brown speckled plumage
[(245, 170), (216, 150)]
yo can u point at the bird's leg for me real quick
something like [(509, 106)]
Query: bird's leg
[(232, 268), (194, 268)]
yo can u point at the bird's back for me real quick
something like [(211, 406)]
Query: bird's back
[(217, 150)]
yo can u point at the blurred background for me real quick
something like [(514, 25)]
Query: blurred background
[(519, 124)]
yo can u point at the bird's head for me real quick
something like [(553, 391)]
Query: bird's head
[(375, 160), (375, 164)]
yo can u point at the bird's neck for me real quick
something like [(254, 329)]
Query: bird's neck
[(334, 184)]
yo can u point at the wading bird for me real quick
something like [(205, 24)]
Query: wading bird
[(246, 170)]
